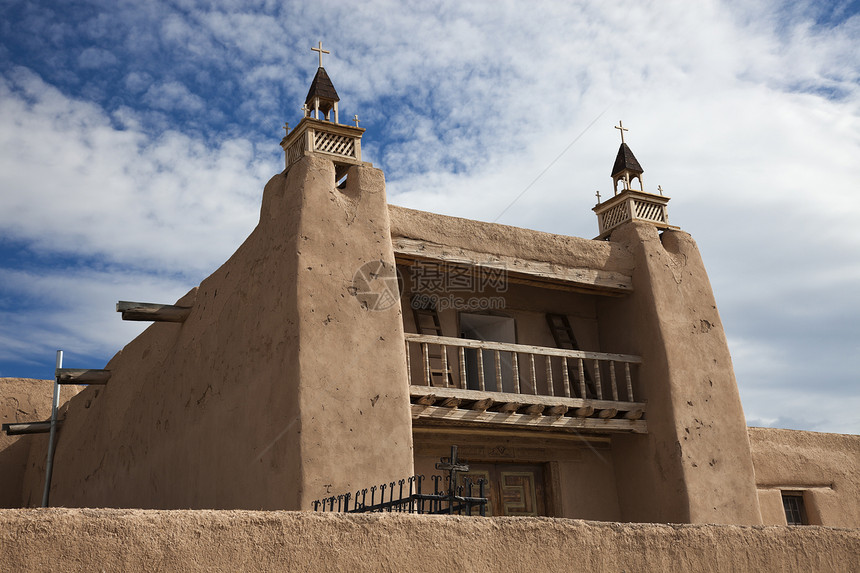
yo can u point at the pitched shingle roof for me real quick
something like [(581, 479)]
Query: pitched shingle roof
[(322, 87), (625, 160)]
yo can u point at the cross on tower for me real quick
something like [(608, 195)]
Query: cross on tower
[(355, 119), (598, 196), (321, 51), (619, 127), (286, 128)]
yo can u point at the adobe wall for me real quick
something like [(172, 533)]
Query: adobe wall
[(511, 241), (236, 407), (24, 400), (694, 465), (825, 467), (126, 540)]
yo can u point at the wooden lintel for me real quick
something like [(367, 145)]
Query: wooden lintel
[(593, 279), (20, 428), (82, 376), (457, 416), (147, 311)]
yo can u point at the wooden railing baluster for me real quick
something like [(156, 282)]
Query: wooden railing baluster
[(481, 369)]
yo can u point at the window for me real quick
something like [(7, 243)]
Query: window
[(795, 512)]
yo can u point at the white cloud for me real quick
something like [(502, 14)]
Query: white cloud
[(748, 115)]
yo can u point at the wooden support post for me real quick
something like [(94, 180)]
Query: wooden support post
[(549, 383), (481, 385), (462, 357), (516, 368), (82, 376), (147, 311), (408, 365), (612, 380)]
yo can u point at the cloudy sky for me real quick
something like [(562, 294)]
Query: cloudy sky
[(135, 138)]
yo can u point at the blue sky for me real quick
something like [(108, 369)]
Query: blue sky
[(135, 138)]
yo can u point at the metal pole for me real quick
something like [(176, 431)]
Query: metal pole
[(55, 404)]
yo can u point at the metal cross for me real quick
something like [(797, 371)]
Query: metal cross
[(355, 119), (453, 465), (622, 129), (321, 52), (598, 196)]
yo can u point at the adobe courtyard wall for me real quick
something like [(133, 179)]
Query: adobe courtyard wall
[(825, 467), (24, 400), (237, 406), (136, 540)]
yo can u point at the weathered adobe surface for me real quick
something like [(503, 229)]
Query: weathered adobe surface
[(828, 464), (120, 540), (23, 400), (499, 239)]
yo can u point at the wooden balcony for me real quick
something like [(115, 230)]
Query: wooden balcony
[(456, 381)]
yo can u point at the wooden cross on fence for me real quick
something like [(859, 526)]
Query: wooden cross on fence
[(453, 466)]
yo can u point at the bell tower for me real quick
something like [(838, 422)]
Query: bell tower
[(630, 204), (313, 135)]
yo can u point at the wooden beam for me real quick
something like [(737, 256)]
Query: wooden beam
[(609, 413), (82, 376), (147, 311), (450, 402), (427, 399), (634, 414), (542, 271), (555, 410), (520, 400), (20, 428), (482, 404), (585, 411), (535, 409), (510, 406), (499, 419)]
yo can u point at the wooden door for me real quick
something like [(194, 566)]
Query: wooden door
[(513, 489)]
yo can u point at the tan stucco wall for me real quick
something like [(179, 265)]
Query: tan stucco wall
[(135, 540), (24, 400), (694, 465), (511, 241), (237, 407), (825, 467)]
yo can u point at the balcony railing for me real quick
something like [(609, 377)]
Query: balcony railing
[(574, 387)]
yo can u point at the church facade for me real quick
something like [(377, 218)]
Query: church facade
[(349, 343)]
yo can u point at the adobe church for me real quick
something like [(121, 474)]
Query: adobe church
[(348, 343)]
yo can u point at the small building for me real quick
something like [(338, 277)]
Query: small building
[(349, 343)]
